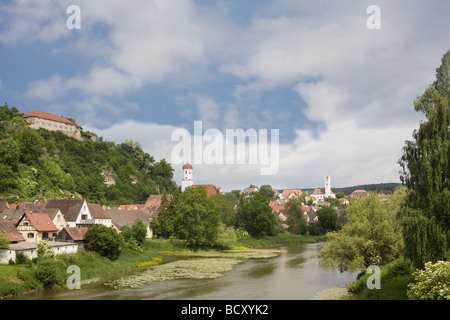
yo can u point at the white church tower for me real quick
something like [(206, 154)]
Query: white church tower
[(187, 180), (327, 186)]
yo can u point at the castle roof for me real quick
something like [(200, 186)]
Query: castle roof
[(48, 116)]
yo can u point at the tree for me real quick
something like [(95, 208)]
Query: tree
[(104, 240), (425, 164), (371, 237), (195, 218), (227, 203), (44, 250), (327, 219), (267, 191), (139, 231), (296, 220), (257, 216)]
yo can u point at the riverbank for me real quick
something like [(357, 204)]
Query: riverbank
[(18, 279)]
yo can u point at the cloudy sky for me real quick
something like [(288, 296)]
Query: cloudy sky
[(340, 94)]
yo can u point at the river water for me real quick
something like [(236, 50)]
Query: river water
[(294, 275)]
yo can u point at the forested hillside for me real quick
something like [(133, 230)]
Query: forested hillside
[(38, 164)]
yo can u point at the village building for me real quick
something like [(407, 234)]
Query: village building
[(99, 215), (73, 235), (51, 122), (121, 218), (322, 193), (10, 232), (188, 181), (35, 227), (75, 211), (29, 249), (360, 193)]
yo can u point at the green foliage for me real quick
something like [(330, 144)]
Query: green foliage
[(327, 219), (257, 217), (226, 237), (44, 250), (431, 283), (4, 243), (44, 164), (227, 203), (267, 191), (195, 218), (296, 220), (104, 240), (395, 277), (372, 236), (139, 231), (49, 272), (425, 166)]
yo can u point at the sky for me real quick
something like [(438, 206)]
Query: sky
[(332, 83)]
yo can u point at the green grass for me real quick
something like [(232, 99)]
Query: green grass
[(395, 277), (280, 239)]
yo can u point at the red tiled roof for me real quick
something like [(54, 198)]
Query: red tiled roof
[(41, 221), (10, 231), (210, 189), (154, 200), (48, 116)]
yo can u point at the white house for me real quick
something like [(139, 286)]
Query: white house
[(29, 249), (76, 212)]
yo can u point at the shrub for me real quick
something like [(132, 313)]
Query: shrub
[(21, 258), (226, 237), (49, 272), (431, 283)]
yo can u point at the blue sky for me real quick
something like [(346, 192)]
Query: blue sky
[(340, 94)]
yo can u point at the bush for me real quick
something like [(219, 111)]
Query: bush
[(21, 258), (431, 283), (104, 240), (49, 272), (226, 237)]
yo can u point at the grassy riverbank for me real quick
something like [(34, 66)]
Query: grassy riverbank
[(17, 279)]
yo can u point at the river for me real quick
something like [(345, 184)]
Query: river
[(294, 275)]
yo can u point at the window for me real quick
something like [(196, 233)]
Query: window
[(84, 217), (30, 235)]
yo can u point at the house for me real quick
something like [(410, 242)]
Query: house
[(99, 215), (344, 201), (74, 235), (35, 226), (29, 249), (51, 122), (120, 218), (209, 188), (360, 193), (75, 211), (3, 205), (154, 200), (292, 193), (10, 232), (132, 206)]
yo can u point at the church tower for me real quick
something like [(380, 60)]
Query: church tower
[(327, 186), (187, 180)]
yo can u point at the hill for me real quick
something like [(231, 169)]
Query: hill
[(36, 164), (386, 188)]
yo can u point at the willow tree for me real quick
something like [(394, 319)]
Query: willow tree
[(425, 165)]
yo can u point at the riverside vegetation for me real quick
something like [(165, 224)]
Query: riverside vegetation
[(48, 272)]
